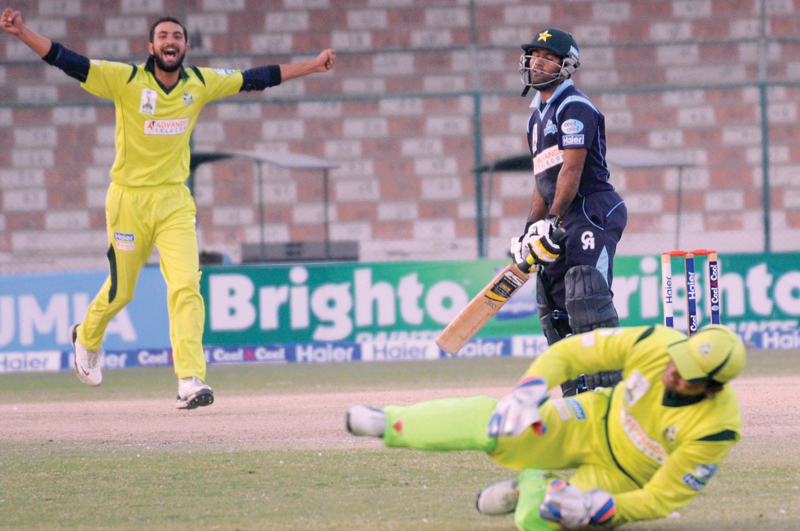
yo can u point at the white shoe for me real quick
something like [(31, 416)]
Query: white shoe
[(193, 393), (87, 362), (498, 498), (365, 421)]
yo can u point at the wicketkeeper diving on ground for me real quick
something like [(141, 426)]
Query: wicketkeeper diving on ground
[(641, 450)]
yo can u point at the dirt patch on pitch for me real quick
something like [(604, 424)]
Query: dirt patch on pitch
[(770, 406)]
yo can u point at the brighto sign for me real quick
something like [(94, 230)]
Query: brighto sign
[(237, 304)]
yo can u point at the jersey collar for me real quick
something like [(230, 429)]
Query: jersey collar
[(150, 66), (673, 399), (537, 99)]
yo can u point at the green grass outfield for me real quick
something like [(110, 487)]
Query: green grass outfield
[(52, 484)]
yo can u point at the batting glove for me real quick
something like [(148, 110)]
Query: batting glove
[(519, 244), (544, 248), (520, 409), (572, 508)]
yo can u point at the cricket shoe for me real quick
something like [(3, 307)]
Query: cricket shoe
[(498, 498), (87, 362), (365, 421), (193, 393)]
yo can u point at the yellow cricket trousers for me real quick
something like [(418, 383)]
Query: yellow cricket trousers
[(136, 219), (575, 438)]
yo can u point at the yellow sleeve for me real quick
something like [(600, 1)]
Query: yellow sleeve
[(220, 83), (688, 469), (106, 78), (604, 349)]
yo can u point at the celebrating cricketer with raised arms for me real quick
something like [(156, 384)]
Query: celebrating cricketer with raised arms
[(157, 105), (641, 449)]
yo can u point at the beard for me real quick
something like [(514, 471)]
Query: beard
[(169, 68)]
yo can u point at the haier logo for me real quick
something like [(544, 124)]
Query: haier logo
[(528, 346), (30, 361), (325, 353), (399, 350), (485, 348)]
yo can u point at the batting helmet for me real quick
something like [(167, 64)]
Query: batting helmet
[(560, 43)]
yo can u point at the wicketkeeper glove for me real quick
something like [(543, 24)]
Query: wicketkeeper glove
[(544, 249), (520, 409), (572, 508)]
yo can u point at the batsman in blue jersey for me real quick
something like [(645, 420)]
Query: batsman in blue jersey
[(576, 217)]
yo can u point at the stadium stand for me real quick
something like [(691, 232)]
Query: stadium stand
[(399, 116)]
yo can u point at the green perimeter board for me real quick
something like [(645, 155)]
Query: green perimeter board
[(284, 304)]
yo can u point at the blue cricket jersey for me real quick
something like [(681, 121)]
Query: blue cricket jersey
[(568, 120)]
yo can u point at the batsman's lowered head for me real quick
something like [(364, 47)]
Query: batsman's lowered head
[(715, 354)]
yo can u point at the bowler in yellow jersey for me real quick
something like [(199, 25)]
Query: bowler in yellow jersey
[(157, 105), (641, 450)]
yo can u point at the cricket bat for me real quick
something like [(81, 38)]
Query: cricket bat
[(486, 303), (483, 307)]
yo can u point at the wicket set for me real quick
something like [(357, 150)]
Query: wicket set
[(668, 290)]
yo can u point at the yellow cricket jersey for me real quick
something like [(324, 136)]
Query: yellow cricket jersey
[(154, 123), (670, 446)]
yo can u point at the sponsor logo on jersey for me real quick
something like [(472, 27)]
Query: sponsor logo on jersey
[(147, 105), (570, 127), (188, 99), (572, 140), (702, 474), (670, 434), (166, 127), (550, 128), (564, 413), (636, 386), (649, 447), (576, 408), (547, 159), (224, 71), (705, 472), (124, 241)]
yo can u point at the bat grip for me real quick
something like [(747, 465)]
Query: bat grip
[(525, 267)]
